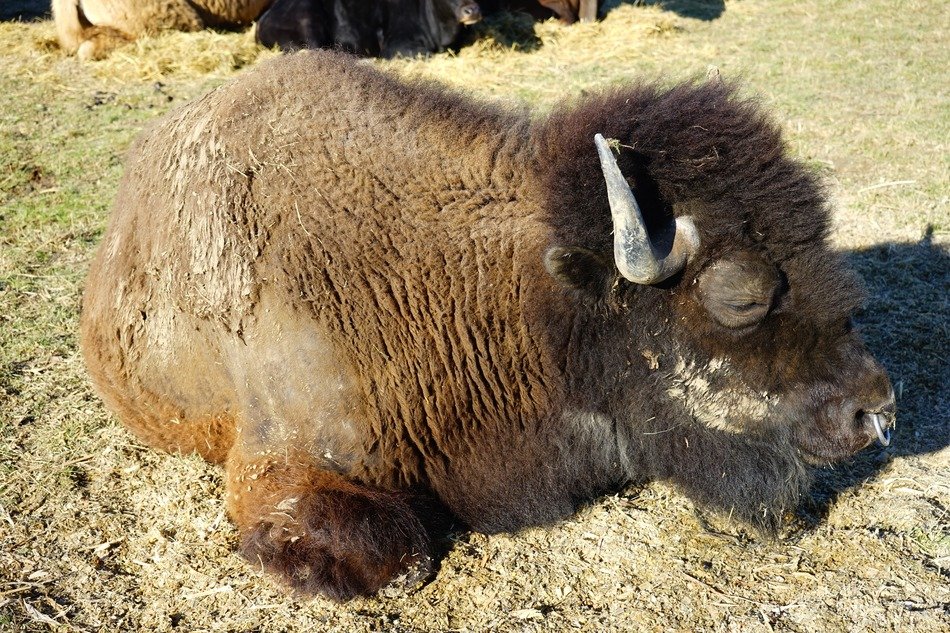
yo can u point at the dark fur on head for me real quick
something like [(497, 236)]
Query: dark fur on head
[(699, 149), (702, 146), (693, 141)]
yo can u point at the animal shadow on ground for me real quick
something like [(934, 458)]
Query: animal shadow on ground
[(906, 323), (509, 29), (24, 10)]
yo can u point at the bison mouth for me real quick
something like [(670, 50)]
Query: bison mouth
[(827, 456)]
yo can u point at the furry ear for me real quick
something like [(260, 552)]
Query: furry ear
[(578, 268)]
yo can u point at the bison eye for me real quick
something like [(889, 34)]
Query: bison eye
[(739, 314), (739, 291), (742, 308)]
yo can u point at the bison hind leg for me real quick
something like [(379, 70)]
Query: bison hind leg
[(325, 534)]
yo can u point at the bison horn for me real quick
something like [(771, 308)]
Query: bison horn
[(638, 257)]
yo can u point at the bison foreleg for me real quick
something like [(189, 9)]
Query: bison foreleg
[(321, 532)]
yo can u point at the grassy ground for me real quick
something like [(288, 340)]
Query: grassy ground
[(99, 533)]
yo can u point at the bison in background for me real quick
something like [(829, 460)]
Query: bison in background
[(367, 27), (379, 303), (567, 11), (91, 28)]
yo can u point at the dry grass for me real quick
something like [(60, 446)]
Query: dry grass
[(99, 533), (206, 54)]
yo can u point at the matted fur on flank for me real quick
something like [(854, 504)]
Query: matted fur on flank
[(385, 307)]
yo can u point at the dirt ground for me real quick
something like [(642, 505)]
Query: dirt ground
[(99, 533)]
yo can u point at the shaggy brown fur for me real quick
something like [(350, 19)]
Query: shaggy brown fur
[(337, 279), (91, 28)]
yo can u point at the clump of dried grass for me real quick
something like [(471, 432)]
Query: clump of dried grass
[(207, 53), (511, 56), (29, 51), (173, 54)]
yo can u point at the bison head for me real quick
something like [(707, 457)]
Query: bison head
[(441, 21), (467, 12), (730, 308), (837, 414)]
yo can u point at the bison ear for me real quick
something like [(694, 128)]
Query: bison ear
[(578, 268)]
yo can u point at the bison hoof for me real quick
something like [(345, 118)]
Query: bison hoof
[(342, 544), (410, 579)]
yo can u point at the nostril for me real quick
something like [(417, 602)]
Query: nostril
[(879, 421)]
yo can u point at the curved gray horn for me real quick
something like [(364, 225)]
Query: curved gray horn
[(635, 253)]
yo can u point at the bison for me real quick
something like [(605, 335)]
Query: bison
[(368, 27), (567, 11), (91, 28), (383, 305)]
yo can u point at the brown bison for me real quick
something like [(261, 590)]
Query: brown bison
[(91, 28), (379, 304)]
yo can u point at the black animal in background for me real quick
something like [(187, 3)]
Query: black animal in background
[(371, 28)]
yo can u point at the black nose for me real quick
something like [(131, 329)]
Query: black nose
[(879, 420), (470, 14)]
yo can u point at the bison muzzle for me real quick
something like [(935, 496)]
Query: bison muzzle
[(382, 305)]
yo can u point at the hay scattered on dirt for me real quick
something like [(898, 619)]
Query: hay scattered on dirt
[(514, 58), (166, 56), (172, 54)]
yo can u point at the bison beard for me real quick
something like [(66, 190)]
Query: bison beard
[(383, 306)]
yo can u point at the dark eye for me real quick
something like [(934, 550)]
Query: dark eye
[(745, 307), (739, 314), (739, 292)]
